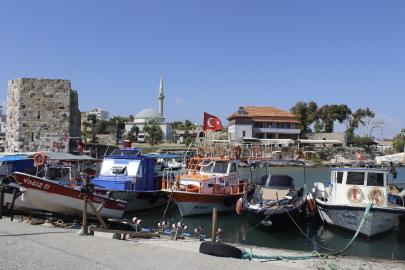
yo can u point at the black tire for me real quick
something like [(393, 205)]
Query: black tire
[(229, 201), (220, 250), (153, 198)]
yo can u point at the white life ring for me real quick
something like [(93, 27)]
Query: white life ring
[(354, 194), (375, 195)]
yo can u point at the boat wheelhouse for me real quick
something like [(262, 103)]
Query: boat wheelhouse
[(131, 177)]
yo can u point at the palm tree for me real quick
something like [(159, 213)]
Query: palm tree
[(151, 127), (187, 125), (119, 123)]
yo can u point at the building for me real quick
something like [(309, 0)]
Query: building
[(262, 123), (148, 114), (40, 114), (101, 114)]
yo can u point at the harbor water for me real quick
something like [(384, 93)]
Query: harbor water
[(311, 235)]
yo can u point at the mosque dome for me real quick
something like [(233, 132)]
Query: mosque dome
[(147, 114)]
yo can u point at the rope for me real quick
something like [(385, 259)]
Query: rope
[(313, 254), (168, 202)]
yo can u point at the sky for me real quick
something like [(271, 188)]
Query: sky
[(213, 55)]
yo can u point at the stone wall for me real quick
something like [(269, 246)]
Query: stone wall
[(340, 136), (39, 113)]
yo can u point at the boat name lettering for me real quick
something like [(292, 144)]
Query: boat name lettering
[(97, 199), (200, 207), (121, 205), (352, 223), (349, 216), (232, 180), (35, 183), (385, 220), (121, 162)]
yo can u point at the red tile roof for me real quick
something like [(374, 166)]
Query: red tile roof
[(254, 111)]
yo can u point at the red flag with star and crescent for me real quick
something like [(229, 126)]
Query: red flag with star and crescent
[(211, 122)]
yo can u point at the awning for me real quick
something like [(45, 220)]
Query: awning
[(276, 141), (67, 156), (319, 141)]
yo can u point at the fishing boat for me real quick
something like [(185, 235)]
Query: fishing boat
[(130, 176), (212, 178), (53, 196), (274, 202), (174, 162), (345, 200)]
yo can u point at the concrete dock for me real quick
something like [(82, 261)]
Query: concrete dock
[(25, 246)]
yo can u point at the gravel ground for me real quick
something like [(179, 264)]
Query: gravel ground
[(26, 246)]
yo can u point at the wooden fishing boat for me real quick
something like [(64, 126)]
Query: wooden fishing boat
[(51, 196), (344, 201), (130, 177), (212, 178)]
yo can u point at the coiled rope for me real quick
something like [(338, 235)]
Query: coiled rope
[(313, 254)]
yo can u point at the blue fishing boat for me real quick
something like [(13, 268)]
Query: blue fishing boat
[(130, 176)]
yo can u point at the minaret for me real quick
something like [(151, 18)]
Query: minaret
[(161, 96)]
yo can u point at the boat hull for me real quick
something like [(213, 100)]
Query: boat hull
[(191, 203), (19, 204), (350, 217), (49, 196), (139, 200)]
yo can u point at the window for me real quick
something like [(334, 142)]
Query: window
[(244, 133), (233, 167), (264, 125), (375, 179), (339, 177), (355, 178), (220, 167)]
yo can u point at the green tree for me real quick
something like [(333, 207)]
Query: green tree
[(118, 122), (327, 114), (151, 127), (131, 118), (103, 127), (399, 141), (305, 113), (176, 124), (187, 125), (133, 134), (93, 119)]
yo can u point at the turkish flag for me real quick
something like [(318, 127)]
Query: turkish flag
[(127, 144), (360, 156), (211, 122)]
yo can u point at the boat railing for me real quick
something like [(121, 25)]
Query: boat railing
[(172, 184)]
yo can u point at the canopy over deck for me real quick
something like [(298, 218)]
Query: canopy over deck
[(319, 141)]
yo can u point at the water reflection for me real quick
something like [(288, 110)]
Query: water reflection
[(237, 230)]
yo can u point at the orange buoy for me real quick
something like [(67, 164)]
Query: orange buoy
[(39, 159), (311, 202), (239, 206)]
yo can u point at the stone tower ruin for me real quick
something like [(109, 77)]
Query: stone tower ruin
[(40, 113)]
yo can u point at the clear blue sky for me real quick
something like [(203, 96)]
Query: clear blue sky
[(213, 55)]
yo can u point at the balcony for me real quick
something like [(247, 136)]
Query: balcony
[(277, 130)]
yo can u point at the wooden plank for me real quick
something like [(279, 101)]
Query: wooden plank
[(130, 233)]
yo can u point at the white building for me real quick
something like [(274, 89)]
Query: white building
[(148, 114), (262, 123), (101, 114)]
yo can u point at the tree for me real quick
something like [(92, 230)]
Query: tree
[(131, 118), (119, 123), (103, 127), (151, 127), (399, 141), (328, 114), (187, 125), (133, 134), (176, 124), (305, 113), (93, 118)]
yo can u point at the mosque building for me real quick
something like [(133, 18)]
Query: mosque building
[(148, 114)]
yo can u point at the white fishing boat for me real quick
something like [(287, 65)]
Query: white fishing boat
[(344, 201)]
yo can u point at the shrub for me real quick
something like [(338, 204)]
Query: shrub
[(321, 154)]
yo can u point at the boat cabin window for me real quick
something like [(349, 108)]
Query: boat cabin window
[(233, 167), (355, 178), (141, 169), (220, 167), (206, 166), (118, 170), (375, 179), (339, 178)]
